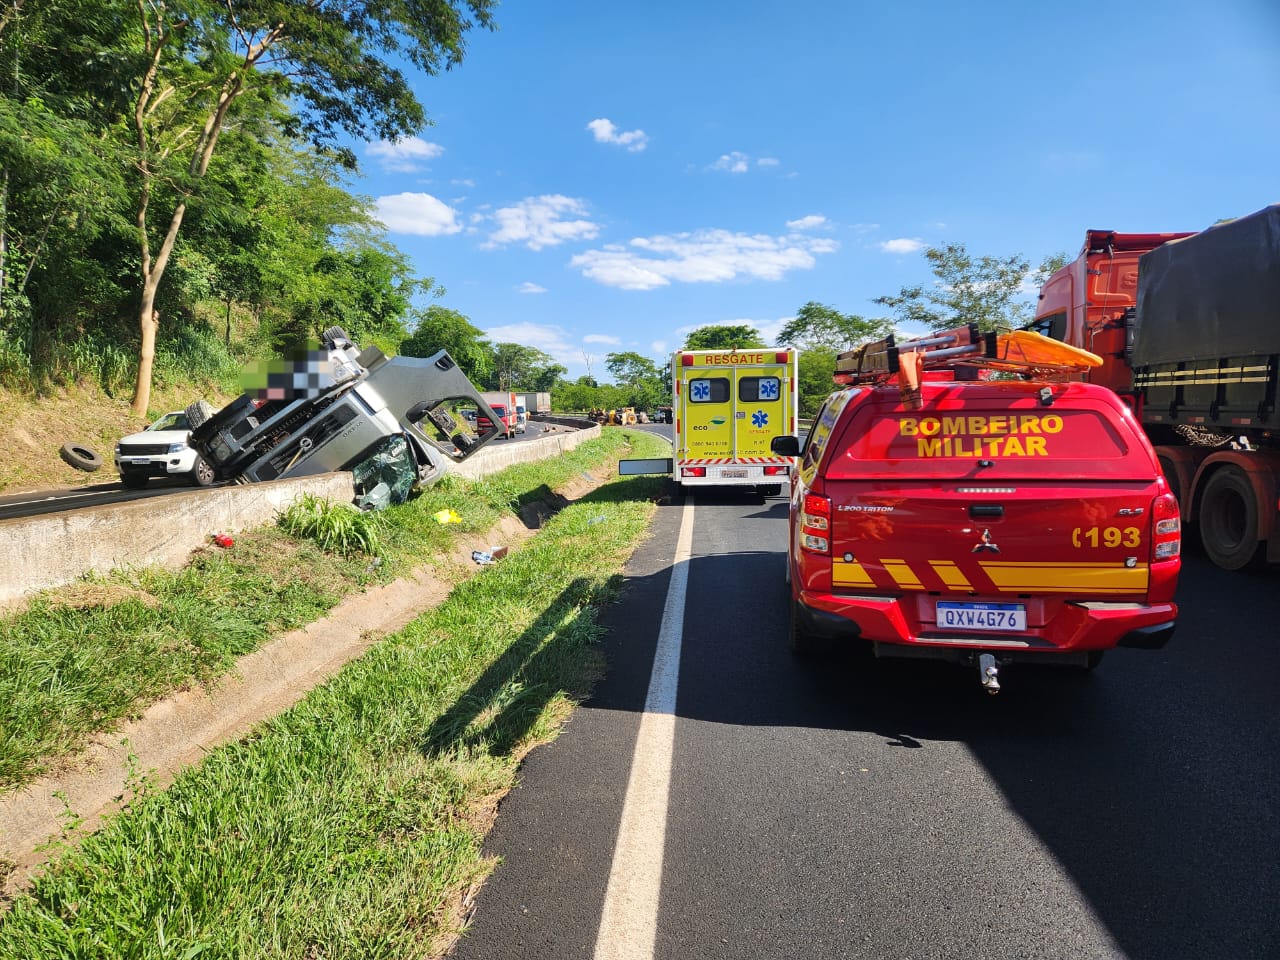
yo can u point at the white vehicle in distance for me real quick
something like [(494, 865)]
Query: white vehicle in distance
[(522, 418), (161, 451)]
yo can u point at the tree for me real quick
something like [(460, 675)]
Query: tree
[(639, 377), (816, 365), (729, 336), (517, 367), (985, 290), (199, 65), (817, 325), (439, 328)]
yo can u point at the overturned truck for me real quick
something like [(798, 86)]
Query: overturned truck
[(393, 421)]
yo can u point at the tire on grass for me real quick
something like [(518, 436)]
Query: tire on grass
[(81, 457)]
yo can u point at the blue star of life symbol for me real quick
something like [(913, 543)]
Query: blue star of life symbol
[(701, 390), (759, 418)]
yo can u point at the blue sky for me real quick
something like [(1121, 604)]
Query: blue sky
[(604, 176)]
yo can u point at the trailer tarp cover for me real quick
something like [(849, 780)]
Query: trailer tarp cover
[(1213, 294)]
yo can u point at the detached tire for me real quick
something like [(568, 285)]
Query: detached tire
[(1229, 520), (80, 457)]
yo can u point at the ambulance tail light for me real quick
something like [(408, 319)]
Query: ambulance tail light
[(780, 357), (1166, 528), (815, 524), (693, 471), (775, 471)]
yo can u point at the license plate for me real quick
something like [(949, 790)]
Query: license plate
[(734, 474), (1010, 617), (141, 461)]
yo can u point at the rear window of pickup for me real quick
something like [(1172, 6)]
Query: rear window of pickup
[(1083, 440)]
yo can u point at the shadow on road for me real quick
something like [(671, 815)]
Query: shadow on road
[(1155, 783)]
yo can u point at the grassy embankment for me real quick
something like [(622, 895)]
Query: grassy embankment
[(349, 826)]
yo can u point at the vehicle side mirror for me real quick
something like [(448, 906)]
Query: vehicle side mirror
[(787, 446)]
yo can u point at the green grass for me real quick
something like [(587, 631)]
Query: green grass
[(351, 825), (335, 527), (69, 672)]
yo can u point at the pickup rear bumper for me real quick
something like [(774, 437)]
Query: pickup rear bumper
[(1076, 627)]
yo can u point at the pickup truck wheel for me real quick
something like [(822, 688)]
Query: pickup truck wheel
[(803, 643), (81, 457), (202, 473), (1229, 520), (134, 481)]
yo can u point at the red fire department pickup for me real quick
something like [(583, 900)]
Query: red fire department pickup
[(981, 521)]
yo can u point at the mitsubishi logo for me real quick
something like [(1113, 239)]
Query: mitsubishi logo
[(985, 545)]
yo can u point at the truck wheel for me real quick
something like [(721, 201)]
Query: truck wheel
[(803, 643), (81, 457), (199, 413), (1171, 477), (1229, 519)]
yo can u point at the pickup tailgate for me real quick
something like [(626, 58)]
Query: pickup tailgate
[(992, 540)]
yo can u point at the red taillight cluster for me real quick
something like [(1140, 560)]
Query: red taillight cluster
[(775, 471), (693, 471), (815, 524), (1166, 528)]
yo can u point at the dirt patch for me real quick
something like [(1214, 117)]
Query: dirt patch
[(179, 730), (88, 596)]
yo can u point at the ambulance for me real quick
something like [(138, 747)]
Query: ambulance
[(940, 511), (727, 406)]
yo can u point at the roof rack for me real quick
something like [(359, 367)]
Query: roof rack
[(1020, 351)]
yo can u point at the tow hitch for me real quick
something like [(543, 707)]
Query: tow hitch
[(989, 673)]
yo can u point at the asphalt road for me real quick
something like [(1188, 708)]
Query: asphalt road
[(893, 810)]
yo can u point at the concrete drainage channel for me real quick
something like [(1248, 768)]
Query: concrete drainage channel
[(57, 549)]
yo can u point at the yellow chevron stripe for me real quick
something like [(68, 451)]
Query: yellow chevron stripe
[(1066, 577), (902, 574), (850, 574), (951, 575)]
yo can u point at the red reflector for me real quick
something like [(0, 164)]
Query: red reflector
[(775, 471), (780, 357), (686, 360), (693, 471)]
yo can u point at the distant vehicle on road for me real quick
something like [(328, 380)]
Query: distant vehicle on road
[(161, 450)]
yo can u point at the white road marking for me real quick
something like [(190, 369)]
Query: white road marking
[(629, 921)]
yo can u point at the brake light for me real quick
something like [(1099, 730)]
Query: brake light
[(693, 471), (775, 471), (815, 524), (1166, 528)]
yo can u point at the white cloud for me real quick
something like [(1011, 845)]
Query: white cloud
[(659, 346), (810, 222), (420, 214), (706, 256), (768, 162), (734, 162), (549, 338), (463, 182), (605, 132), (539, 222), (405, 155), (866, 227), (529, 287), (602, 338), (902, 245)]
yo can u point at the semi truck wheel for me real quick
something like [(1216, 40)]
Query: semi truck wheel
[(1229, 519)]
